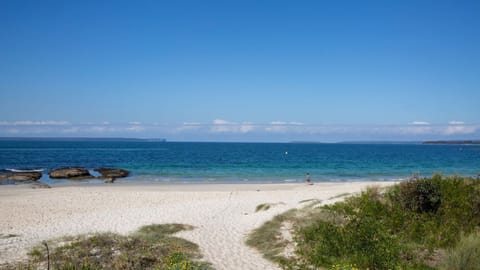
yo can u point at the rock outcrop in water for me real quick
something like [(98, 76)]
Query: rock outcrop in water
[(21, 176), (111, 174), (70, 173), (75, 173)]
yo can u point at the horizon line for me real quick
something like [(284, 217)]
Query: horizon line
[(51, 138)]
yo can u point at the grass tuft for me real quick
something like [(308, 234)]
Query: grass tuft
[(340, 195), (465, 255), (6, 236), (262, 207), (266, 206), (307, 200)]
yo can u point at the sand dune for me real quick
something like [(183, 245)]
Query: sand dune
[(223, 215)]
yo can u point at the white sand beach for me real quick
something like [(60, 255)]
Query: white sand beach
[(223, 214)]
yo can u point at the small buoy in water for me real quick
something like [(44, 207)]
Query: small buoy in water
[(286, 153)]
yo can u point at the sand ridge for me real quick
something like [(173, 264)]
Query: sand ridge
[(223, 214)]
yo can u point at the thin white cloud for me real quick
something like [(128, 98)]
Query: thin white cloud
[(186, 128), (13, 131), (34, 123), (276, 129), (456, 123), (71, 130), (246, 127), (224, 126), (419, 123), (135, 128), (284, 127), (98, 129), (192, 124), (135, 123), (220, 128), (457, 129), (222, 122), (284, 123), (419, 129), (103, 129)]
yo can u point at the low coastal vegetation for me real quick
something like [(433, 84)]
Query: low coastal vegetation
[(151, 247), (268, 238), (464, 255), (427, 223), (273, 239), (6, 236), (266, 206), (340, 195)]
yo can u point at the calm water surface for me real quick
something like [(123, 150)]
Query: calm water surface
[(245, 162)]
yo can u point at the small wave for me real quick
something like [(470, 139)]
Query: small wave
[(25, 170)]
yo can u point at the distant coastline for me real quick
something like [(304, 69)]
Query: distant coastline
[(453, 142), (76, 139), (122, 139)]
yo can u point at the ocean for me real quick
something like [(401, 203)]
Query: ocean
[(179, 162)]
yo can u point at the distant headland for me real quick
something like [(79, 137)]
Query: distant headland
[(453, 142), (85, 139)]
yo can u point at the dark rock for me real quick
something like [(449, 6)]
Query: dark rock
[(70, 173), (24, 178), (112, 173), (21, 176), (38, 184)]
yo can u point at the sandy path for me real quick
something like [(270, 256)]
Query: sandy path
[(222, 214)]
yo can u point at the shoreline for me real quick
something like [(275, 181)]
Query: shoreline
[(155, 180), (222, 214)]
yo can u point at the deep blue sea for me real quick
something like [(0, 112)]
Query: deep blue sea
[(245, 162)]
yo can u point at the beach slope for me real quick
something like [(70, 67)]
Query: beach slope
[(222, 214)]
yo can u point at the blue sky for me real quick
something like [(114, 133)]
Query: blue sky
[(241, 70)]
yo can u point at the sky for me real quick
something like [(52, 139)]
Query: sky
[(241, 70)]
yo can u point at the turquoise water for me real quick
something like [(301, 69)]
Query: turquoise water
[(245, 162)]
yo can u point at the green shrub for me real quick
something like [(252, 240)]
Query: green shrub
[(179, 261), (360, 239), (405, 227), (421, 195), (434, 211)]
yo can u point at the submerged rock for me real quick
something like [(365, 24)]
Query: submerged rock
[(38, 184), (70, 173), (114, 173), (109, 180), (21, 176)]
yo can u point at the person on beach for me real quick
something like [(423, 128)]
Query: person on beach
[(308, 180)]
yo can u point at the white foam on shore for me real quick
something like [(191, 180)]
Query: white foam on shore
[(20, 170)]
